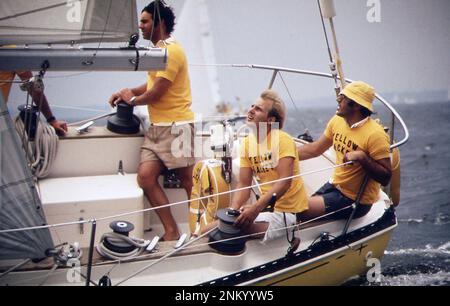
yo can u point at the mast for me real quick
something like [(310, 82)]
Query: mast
[(328, 12)]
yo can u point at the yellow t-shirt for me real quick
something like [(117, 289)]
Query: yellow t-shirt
[(175, 104), (263, 159), (6, 78), (368, 137)]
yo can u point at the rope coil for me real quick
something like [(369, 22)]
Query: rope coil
[(137, 245), (42, 151)]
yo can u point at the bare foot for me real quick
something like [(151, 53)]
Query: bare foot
[(170, 237)]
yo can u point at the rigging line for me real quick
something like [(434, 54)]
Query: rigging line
[(15, 267), (211, 65), (155, 13), (10, 82), (55, 272), (332, 63), (159, 18), (67, 75), (289, 93), (91, 119), (325, 32), (79, 108), (172, 204), (121, 15), (55, 266), (290, 97), (44, 226), (103, 32), (164, 257), (150, 43)]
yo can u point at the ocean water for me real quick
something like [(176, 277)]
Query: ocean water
[(419, 251)]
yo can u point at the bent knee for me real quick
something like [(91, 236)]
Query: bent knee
[(147, 178)]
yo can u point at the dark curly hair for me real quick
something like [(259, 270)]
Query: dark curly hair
[(160, 8)]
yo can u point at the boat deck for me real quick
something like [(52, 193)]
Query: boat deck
[(163, 248)]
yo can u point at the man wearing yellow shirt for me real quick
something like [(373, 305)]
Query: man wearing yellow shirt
[(269, 154), (355, 137), (6, 81), (167, 95)]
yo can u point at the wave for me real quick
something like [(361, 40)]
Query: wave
[(410, 220), (441, 278), (428, 250), (426, 278), (440, 219), (429, 266)]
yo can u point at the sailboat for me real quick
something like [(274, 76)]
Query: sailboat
[(63, 229)]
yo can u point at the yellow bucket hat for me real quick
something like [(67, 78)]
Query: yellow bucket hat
[(360, 92)]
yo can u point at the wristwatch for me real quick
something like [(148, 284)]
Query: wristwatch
[(133, 101)]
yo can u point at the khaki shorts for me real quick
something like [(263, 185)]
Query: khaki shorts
[(173, 145)]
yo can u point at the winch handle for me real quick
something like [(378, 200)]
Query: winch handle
[(233, 212), (271, 205)]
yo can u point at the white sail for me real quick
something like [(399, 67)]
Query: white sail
[(64, 21), (193, 31)]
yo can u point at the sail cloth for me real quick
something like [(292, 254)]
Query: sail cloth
[(193, 30), (20, 205), (64, 21)]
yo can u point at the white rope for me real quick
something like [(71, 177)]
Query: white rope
[(170, 204), (121, 241), (52, 270), (92, 119), (42, 151), (215, 65)]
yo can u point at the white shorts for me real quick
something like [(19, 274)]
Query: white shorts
[(277, 227)]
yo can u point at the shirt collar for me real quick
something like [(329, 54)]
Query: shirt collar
[(360, 123), (166, 42)]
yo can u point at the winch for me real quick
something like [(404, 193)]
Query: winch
[(226, 238), (119, 245), (124, 122), (29, 115)]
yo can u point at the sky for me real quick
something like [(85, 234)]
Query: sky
[(405, 50)]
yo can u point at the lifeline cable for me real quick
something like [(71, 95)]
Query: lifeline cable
[(170, 204)]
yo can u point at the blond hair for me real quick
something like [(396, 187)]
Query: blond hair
[(278, 109)]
